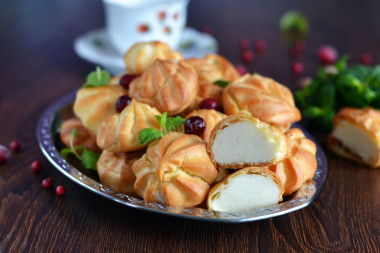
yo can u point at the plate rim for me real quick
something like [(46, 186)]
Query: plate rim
[(301, 199)]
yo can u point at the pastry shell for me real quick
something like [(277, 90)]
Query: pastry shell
[(119, 132), (94, 104), (175, 170), (84, 137), (300, 164), (167, 85), (115, 170), (141, 55), (263, 98), (364, 125)]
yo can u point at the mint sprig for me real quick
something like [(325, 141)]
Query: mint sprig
[(222, 83), (97, 78), (88, 157), (167, 124), (149, 134)]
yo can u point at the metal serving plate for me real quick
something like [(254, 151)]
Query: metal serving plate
[(47, 127)]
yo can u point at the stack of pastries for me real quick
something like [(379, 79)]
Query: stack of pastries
[(245, 157)]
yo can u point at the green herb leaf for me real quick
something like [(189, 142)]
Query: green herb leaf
[(89, 159), (162, 120), (149, 134), (97, 78), (65, 152), (222, 83), (173, 123)]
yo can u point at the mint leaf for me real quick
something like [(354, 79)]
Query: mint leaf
[(97, 78), (149, 134), (66, 152), (173, 123), (162, 120), (222, 83), (89, 159)]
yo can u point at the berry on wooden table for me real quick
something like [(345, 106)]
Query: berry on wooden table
[(5, 155), (47, 183), (36, 166), (60, 190)]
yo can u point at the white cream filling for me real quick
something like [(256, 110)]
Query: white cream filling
[(244, 142), (246, 192), (356, 140)]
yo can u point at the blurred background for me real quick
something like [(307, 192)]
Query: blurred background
[(40, 33)]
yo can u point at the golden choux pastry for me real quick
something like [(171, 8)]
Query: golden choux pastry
[(211, 118), (84, 137), (238, 141), (228, 71), (210, 69), (300, 164), (119, 132), (169, 86), (115, 80), (356, 135), (246, 189), (141, 55), (263, 98), (94, 104), (115, 170), (176, 170)]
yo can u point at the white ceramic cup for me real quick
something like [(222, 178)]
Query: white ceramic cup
[(132, 21)]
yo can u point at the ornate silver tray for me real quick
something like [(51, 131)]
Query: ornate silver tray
[(50, 121)]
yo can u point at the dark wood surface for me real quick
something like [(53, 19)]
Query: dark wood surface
[(38, 65)]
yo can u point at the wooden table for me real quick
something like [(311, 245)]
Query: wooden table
[(38, 65)]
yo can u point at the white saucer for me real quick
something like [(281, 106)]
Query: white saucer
[(95, 47)]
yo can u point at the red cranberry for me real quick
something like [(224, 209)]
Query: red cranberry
[(327, 54), (248, 56), (36, 166), (122, 102), (298, 68), (125, 80), (47, 183), (260, 45), (297, 48), (245, 44), (209, 103), (5, 155), (15, 146), (60, 190), (241, 69), (195, 125), (366, 59)]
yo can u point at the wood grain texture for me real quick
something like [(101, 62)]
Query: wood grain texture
[(38, 65)]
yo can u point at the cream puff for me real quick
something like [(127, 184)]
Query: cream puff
[(176, 170)]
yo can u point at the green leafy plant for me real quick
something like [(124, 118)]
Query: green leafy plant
[(97, 78), (167, 124), (357, 86), (87, 157)]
